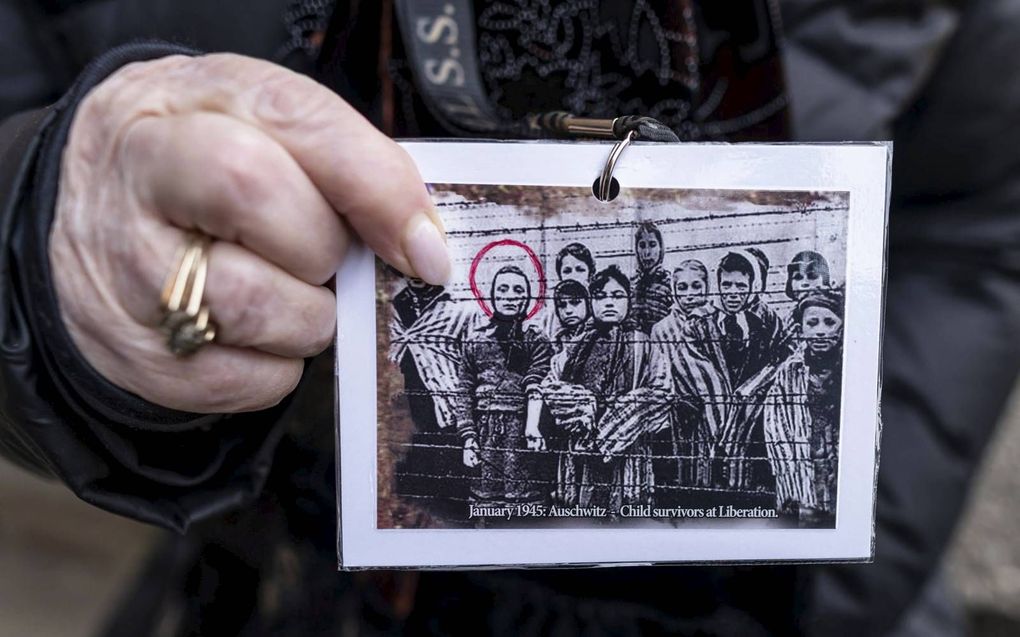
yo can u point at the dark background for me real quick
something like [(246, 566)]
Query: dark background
[(64, 564)]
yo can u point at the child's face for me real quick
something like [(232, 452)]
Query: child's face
[(821, 328), (804, 279), (572, 268), (571, 311), (649, 250), (510, 294), (611, 303), (734, 290), (690, 289)]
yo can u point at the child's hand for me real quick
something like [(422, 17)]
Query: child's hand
[(534, 439), (471, 457)]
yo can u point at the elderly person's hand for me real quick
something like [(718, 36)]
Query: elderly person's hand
[(277, 169)]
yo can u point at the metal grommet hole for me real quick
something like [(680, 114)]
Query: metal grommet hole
[(614, 189)]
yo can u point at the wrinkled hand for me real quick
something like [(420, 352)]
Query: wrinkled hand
[(471, 456), (273, 166)]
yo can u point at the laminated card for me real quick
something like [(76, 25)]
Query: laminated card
[(688, 372)]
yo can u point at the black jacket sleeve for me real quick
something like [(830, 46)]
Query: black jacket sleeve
[(60, 417), (853, 66), (944, 82)]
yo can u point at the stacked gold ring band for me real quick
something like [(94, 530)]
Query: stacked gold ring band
[(186, 322)]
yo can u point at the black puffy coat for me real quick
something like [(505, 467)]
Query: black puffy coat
[(940, 81)]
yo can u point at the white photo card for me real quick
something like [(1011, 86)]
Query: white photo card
[(687, 373)]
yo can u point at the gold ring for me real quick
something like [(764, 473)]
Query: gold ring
[(186, 322)]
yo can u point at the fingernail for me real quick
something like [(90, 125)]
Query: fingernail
[(436, 219), (426, 250)]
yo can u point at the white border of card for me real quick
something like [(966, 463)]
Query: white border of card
[(860, 169)]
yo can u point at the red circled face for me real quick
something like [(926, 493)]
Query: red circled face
[(532, 257)]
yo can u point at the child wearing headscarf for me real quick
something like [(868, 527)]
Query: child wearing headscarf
[(801, 411), (730, 358), (503, 364)]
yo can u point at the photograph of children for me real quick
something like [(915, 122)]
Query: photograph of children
[(671, 357)]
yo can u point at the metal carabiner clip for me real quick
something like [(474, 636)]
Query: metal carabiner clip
[(606, 180)]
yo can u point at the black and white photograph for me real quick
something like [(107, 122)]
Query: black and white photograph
[(689, 368), (676, 358)]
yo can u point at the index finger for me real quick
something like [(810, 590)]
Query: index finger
[(367, 177)]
